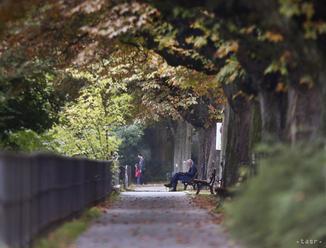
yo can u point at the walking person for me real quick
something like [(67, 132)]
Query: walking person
[(141, 164)]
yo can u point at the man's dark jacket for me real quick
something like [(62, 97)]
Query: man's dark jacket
[(186, 177)]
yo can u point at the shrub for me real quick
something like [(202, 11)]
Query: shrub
[(29, 141), (285, 203)]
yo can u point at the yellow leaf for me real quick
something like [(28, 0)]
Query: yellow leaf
[(248, 30), (273, 37), (280, 87), (234, 46), (228, 47)]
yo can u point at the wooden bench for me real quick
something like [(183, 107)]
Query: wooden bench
[(201, 183), (191, 182)]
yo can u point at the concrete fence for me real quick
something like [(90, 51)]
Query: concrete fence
[(39, 190)]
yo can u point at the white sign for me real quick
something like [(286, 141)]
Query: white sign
[(219, 136)]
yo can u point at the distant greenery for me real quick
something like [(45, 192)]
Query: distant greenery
[(130, 136), (286, 202)]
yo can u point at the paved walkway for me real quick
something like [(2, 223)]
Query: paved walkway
[(150, 217)]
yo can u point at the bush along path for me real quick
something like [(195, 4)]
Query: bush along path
[(152, 217)]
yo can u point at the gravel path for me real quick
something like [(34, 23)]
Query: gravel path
[(151, 217)]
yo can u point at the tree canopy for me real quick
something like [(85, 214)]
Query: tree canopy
[(187, 59)]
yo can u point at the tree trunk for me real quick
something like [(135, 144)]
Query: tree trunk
[(213, 157), (256, 126), (207, 155), (157, 150), (237, 126), (304, 110), (273, 107), (182, 145)]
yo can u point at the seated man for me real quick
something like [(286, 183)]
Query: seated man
[(182, 176)]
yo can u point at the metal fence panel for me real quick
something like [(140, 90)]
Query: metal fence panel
[(38, 190)]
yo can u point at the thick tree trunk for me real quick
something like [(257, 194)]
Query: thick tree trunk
[(213, 158), (182, 144), (158, 150), (304, 110), (256, 126), (255, 136), (207, 155), (241, 129), (236, 141), (273, 107)]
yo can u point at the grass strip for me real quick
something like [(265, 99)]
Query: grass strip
[(65, 235)]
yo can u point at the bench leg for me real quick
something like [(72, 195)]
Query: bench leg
[(198, 188), (211, 189), (185, 186)]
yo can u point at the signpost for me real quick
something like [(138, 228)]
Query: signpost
[(219, 136)]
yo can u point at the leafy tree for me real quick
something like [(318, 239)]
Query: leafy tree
[(27, 95), (202, 36), (87, 126), (28, 141)]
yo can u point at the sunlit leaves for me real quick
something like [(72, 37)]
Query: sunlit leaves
[(290, 8), (88, 7), (227, 48), (273, 37), (87, 125), (314, 29), (276, 67), (304, 8), (231, 71), (120, 19), (29, 141), (166, 37), (197, 41), (308, 9), (280, 65)]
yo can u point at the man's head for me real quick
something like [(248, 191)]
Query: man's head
[(189, 162), (140, 155)]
